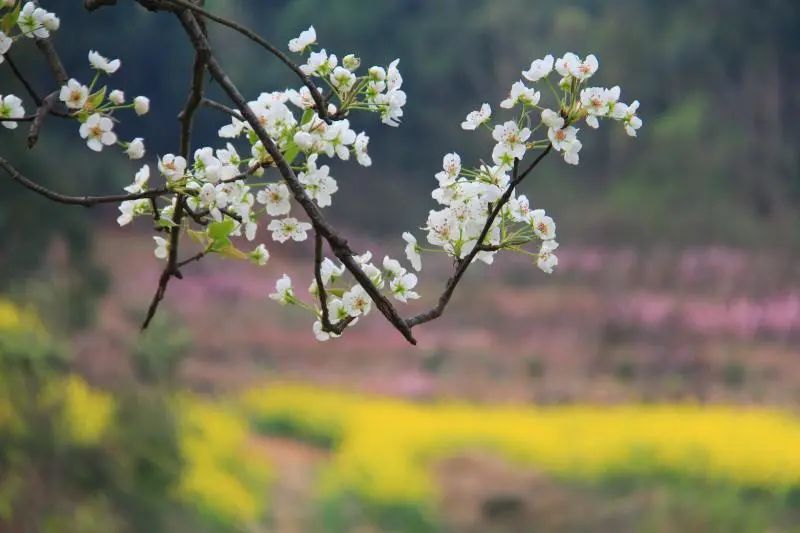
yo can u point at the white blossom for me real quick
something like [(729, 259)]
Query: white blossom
[(539, 69), (356, 301), (304, 40), (11, 107), (289, 228), (476, 118), (162, 247), (547, 260), (412, 251), (97, 130), (102, 63), (342, 79), (319, 64), (351, 62), (5, 45), (275, 197), (520, 94), (117, 97), (259, 255), (451, 168), (317, 183), (283, 291), (401, 287), (135, 148), (74, 94), (172, 167), (139, 180), (36, 22), (360, 149), (543, 225), (141, 104)]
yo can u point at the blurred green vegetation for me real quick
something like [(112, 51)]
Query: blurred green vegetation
[(717, 160), (76, 458)]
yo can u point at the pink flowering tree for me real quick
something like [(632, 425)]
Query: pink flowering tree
[(267, 179)]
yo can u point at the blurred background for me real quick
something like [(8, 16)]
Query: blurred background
[(651, 384)]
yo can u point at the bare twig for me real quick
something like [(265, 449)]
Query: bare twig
[(322, 109), (325, 319), (91, 5), (186, 118), (45, 109), (213, 104), (86, 201), (56, 66), (196, 257), (22, 79)]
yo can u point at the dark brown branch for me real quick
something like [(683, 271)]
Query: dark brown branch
[(322, 109), (186, 118), (213, 104), (45, 109), (86, 201), (91, 5), (464, 263), (53, 61), (325, 318), (197, 216), (23, 80), (338, 244), (196, 257)]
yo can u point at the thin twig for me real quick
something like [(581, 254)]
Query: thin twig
[(45, 109), (25, 83), (325, 319), (196, 257), (464, 263), (53, 60), (86, 201), (185, 117), (322, 109), (213, 104)]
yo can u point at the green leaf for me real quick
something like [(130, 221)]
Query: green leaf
[(10, 18), (232, 252), (96, 99), (291, 152), (219, 231), (198, 236)]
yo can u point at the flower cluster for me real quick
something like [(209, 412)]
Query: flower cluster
[(222, 195), (94, 108), (30, 21), (469, 195), (216, 186)]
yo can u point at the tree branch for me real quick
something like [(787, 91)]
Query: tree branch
[(322, 109), (86, 201), (45, 109), (340, 326), (464, 263), (186, 118), (25, 83), (213, 104)]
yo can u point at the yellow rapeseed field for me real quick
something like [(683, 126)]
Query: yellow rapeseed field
[(384, 447)]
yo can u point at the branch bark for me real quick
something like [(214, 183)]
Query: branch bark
[(86, 201), (322, 109), (186, 118)]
